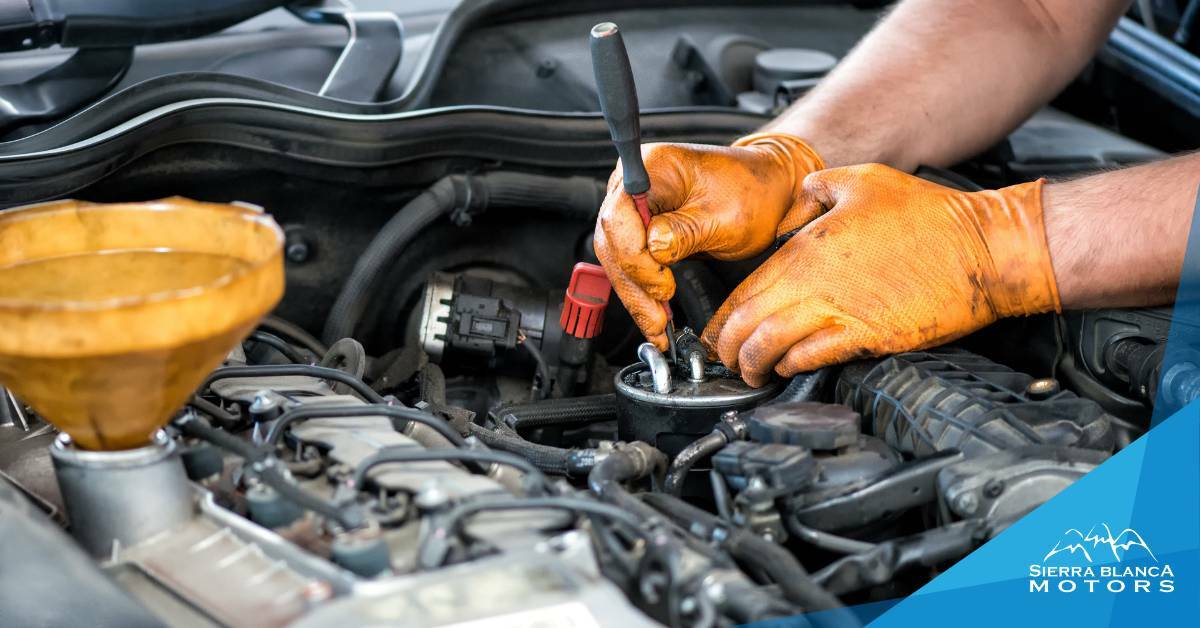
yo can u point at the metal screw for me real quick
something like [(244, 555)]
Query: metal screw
[(966, 503), (1042, 388), (297, 251), (993, 488)]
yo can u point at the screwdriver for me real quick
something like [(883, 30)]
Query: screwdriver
[(619, 103)]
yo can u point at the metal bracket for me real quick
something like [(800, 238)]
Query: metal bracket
[(370, 57)]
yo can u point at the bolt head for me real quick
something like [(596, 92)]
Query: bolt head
[(297, 251), (967, 503)]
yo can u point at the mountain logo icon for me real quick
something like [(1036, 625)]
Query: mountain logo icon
[(1092, 545)]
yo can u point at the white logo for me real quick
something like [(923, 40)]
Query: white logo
[(1080, 562), (1075, 541)]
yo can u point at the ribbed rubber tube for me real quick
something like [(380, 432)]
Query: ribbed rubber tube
[(553, 460), (559, 412)]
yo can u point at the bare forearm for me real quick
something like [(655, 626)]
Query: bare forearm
[(1118, 238), (940, 80)]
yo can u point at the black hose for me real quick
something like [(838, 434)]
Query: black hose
[(555, 460), (268, 470), (633, 461), (448, 525), (413, 454), (698, 450), (326, 411), (700, 292), (278, 344), (234, 445), (284, 370), (752, 550), (805, 386), (783, 568), (281, 327), (350, 517), (721, 498), (558, 412), (392, 238), (579, 196), (225, 419)]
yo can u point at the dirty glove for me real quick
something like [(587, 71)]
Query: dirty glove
[(730, 202), (896, 264)]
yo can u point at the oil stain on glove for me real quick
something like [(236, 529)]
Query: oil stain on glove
[(728, 202), (894, 263)]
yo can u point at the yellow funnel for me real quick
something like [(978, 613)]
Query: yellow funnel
[(111, 315)]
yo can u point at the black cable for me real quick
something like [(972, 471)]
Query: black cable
[(196, 428), (828, 541), (279, 344), (413, 454), (448, 525), (281, 327), (543, 371), (750, 549), (213, 410), (1187, 23), (350, 518), (326, 411), (267, 468), (721, 496), (284, 370)]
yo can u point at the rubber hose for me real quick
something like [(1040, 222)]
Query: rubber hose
[(700, 292), (555, 460), (634, 461), (699, 449), (750, 549), (402, 453), (559, 412), (279, 345), (285, 370), (416, 215), (783, 568), (805, 386), (329, 411), (279, 326), (573, 196)]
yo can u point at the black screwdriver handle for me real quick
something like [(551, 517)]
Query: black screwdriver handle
[(618, 101)]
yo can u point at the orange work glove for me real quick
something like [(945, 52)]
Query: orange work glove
[(730, 202), (896, 264)]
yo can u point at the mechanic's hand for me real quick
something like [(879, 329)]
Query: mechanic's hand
[(897, 264), (729, 202)]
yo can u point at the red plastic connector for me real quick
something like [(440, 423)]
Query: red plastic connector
[(587, 296)]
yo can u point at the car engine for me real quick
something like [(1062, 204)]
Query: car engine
[(450, 419)]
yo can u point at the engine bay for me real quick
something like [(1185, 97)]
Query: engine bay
[(450, 420)]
